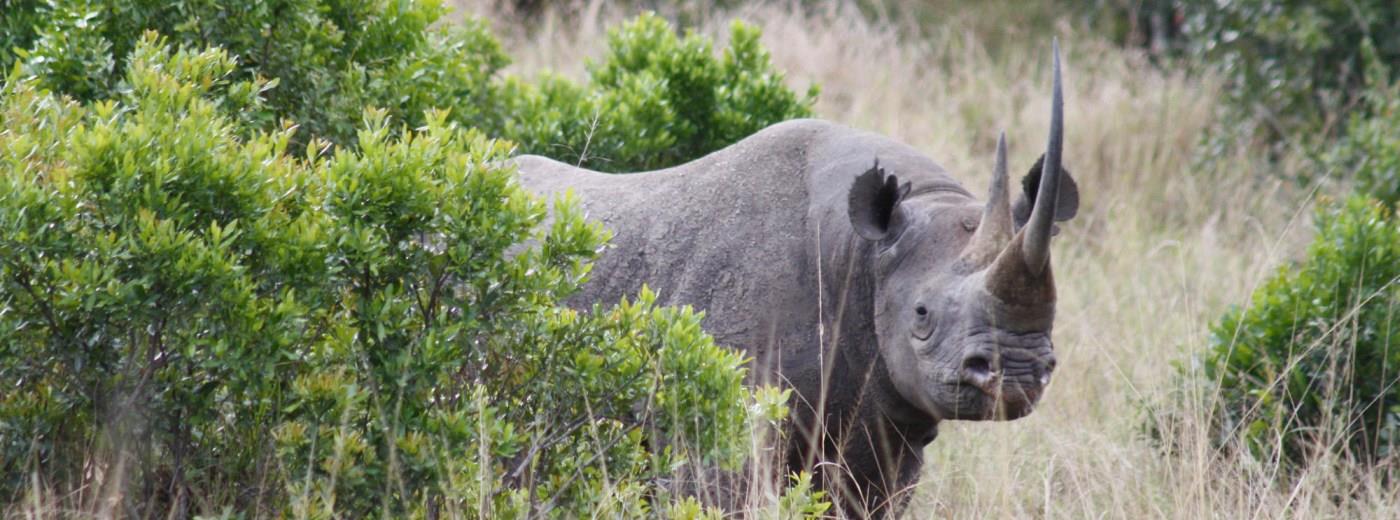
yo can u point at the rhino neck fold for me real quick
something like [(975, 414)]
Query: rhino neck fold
[(907, 423)]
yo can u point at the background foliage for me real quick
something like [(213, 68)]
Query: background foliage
[(1369, 151), (657, 100), (1295, 68)]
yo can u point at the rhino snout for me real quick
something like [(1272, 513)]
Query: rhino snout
[(1015, 377)]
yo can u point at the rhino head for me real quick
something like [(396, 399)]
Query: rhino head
[(965, 332)]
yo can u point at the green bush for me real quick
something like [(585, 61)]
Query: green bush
[(655, 100), (1315, 358), (19, 20), (204, 319), (1295, 67), (328, 60)]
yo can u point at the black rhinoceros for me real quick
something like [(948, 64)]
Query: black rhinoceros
[(852, 269)]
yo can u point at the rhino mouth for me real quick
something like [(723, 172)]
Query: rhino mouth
[(997, 399), (1003, 374), (1007, 390)]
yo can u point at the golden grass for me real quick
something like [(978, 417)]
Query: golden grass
[(1163, 244)]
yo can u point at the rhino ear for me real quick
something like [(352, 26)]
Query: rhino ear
[(1065, 208), (874, 203)]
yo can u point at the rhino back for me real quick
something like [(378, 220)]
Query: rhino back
[(724, 233), (737, 233)]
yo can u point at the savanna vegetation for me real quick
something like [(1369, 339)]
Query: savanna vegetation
[(265, 259)]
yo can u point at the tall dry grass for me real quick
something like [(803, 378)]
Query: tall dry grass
[(1163, 244)]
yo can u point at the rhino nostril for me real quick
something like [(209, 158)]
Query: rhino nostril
[(977, 364), (978, 371)]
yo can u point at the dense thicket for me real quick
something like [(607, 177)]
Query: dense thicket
[(228, 323), (290, 273)]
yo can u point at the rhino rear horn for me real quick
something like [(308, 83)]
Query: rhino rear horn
[(995, 229)]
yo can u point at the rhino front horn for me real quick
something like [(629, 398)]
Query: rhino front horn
[(1035, 248)]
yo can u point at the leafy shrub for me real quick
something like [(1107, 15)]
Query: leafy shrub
[(18, 20), (328, 60), (1295, 66), (197, 317), (655, 100), (1316, 356)]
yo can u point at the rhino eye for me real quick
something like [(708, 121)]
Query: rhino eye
[(923, 324)]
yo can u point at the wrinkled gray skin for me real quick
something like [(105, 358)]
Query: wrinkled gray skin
[(886, 296)]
